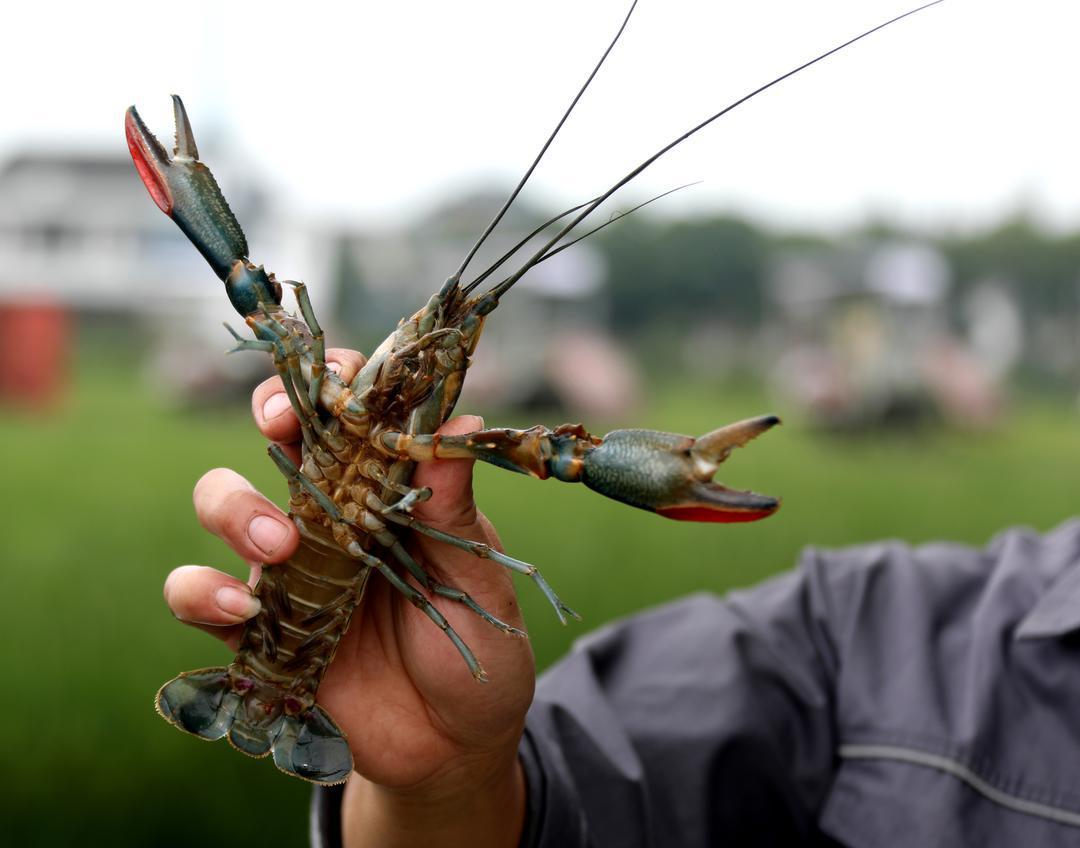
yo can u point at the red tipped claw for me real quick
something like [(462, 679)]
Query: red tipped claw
[(671, 475), (185, 190)]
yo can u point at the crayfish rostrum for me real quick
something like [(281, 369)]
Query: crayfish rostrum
[(351, 496)]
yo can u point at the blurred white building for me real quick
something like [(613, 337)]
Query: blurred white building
[(79, 236), (869, 341)]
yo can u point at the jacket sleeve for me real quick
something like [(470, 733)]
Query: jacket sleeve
[(879, 695), (708, 721)]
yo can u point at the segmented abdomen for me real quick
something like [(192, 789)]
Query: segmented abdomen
[(307, 603)]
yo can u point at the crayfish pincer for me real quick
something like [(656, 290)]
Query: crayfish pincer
[(351, 496)]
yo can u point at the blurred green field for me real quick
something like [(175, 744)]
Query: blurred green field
[(98, 510)]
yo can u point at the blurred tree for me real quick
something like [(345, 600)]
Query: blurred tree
[(679, 273), (1042, 268)]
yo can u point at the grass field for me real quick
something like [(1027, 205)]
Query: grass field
[(97, 511)]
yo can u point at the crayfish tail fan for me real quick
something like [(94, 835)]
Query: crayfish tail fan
[(308, 745), (311, 746), (200, 702)]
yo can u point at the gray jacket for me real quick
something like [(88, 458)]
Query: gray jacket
[(878, 696)]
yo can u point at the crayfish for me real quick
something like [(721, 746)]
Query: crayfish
[(351, 496)]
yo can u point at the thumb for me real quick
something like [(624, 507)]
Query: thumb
[(451, 507)]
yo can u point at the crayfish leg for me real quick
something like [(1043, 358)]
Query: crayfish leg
[(465, 598), (418, 600), (318, 340), (484, 552), (441, 589)]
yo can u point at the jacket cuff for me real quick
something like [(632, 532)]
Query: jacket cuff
[(553, 817)]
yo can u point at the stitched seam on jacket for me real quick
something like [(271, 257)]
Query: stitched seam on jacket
[(986, 767), (963, 773)]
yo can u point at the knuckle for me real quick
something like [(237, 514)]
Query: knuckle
[(235, 513)]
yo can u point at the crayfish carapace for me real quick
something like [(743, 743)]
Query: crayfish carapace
[(351, 495)]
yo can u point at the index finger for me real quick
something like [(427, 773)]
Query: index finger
[(270, 405)]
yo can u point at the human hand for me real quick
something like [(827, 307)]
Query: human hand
[(427, 739)]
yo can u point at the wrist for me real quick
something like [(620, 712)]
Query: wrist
[(477, 803)]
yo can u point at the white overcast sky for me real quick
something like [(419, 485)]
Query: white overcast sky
[(374, 111)]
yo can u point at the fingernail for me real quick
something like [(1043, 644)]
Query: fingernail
[(266, 533), (275, 405), (238, 602)]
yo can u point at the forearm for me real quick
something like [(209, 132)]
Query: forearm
[(478, 806)]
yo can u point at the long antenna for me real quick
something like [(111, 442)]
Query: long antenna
[(521, 183), (615, 216), (497, 291), (524, 241)]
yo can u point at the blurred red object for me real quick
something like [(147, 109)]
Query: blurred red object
[(34, 338)]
